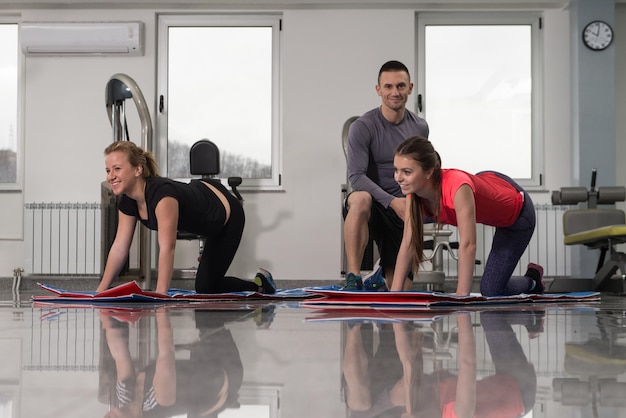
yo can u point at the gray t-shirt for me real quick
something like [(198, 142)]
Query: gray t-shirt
[(372, 141)]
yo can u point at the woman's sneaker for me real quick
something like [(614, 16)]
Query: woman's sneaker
[(264, 280), (353, 282), (535, 272)]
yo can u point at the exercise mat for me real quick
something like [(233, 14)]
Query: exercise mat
[(131, 292), (411, 300)]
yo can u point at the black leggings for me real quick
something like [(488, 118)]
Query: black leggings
[(218, 254)]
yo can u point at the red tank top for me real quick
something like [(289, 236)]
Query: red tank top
[(497, 202)]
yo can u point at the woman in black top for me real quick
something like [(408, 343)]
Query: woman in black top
[(203, 207)]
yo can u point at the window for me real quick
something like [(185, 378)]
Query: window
[(218, 80), (9, 133), (480, 88)]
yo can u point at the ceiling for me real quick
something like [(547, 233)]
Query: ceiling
[(287, 4)]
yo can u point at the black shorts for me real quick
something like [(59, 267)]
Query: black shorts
[(386, 230)]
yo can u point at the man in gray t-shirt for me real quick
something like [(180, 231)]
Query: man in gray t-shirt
[(376, 204)]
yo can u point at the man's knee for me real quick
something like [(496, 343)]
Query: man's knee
[(359, 204)]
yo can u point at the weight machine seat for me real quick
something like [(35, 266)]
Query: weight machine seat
[(204, 159), (599, 229)]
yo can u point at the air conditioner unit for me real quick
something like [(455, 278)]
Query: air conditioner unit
[(81, 38)]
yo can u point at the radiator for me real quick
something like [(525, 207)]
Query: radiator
[(546, 247), (62, 238)]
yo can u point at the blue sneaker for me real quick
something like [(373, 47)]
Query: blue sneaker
[(265, 281), (353, 282), (375, 282)]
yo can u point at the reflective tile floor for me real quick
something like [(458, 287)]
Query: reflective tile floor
[(279, 359)]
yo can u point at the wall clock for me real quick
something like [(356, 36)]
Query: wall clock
[(597, 35)]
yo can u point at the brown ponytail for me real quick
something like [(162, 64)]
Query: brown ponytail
[(423, 152), (136, 157)]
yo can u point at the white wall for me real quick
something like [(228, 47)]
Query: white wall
[(620, 101), (330, 62)]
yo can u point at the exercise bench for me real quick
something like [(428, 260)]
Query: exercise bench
[(597, 228)]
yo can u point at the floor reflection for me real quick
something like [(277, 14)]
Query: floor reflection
[(596, 366), (282, 360), (406, 377), (205, 383)]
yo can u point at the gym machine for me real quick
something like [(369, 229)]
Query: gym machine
[(119, 88)]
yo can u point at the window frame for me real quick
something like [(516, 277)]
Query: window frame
[(164, 22), (17, 186), (534, 20)]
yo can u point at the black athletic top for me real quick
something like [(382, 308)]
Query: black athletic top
[(200, 211)]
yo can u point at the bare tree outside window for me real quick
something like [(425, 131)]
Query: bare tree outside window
[(8, 104), (232, 165)]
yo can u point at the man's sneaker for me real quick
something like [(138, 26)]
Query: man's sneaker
[(264, 280), (375, 281), (535, 272), (353, 282)]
